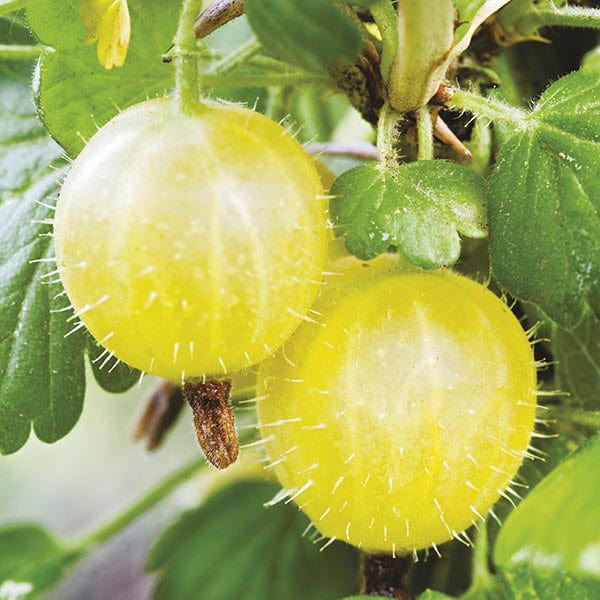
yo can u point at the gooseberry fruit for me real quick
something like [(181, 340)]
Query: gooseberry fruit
[(400, 415), (191, 244)]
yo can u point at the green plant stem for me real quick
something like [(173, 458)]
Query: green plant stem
[(187, 82), (480, 570), (567, 16), (153, 497), (424, 133), (385, 17), (577, 416), (18, 52), (238, 57), (488, 108), (386, 136), (248, 79)]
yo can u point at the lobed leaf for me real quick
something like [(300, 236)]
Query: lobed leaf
[(111, 374), (42, 376), (295, 31), (544, 202), (234, 547), (421, 208), (75, 94)]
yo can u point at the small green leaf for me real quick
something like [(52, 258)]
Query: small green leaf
[(111, 374), (31, 561), (42, 377), (421, 208), (76, 95), (234, 547), (554, 532), (577, 368), (300, 31)]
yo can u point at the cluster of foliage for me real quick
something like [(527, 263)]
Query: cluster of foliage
[(509, 192)]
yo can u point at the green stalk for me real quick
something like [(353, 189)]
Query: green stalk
[(18, 52), (567, 16), (385, 17), (238, 57), (153, 497), (187, 83), (488, 108), (576, 416), (386, 137), (424, 134)]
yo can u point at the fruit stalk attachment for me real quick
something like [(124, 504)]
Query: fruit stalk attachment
[(385, 575), (187, 85), (214, 420)]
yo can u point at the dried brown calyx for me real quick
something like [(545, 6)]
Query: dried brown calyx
[(214, 420)]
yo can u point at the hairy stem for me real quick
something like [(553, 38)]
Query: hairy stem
[(386, 136), (18, 52), (488, 108), (153, 497), (566, 16), (187, 82), (424, 133)]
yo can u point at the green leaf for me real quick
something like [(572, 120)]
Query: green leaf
[(111, 374), (234, 547), (75, 94), (42, 376), (422, 207), (551, 542), (577, 356), (591, 61), (433, 595), (300, 31), (7, 6), (31, 561), (544, 202)]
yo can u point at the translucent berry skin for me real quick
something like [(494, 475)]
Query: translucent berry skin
[(191, 244), (399, 419)]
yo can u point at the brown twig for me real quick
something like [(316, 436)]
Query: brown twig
[(217, 15)]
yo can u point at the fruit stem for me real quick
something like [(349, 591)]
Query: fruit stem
[(424, 133), (187, 83), (385, 575), (18, 52), (387, 136), (153, 497)]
